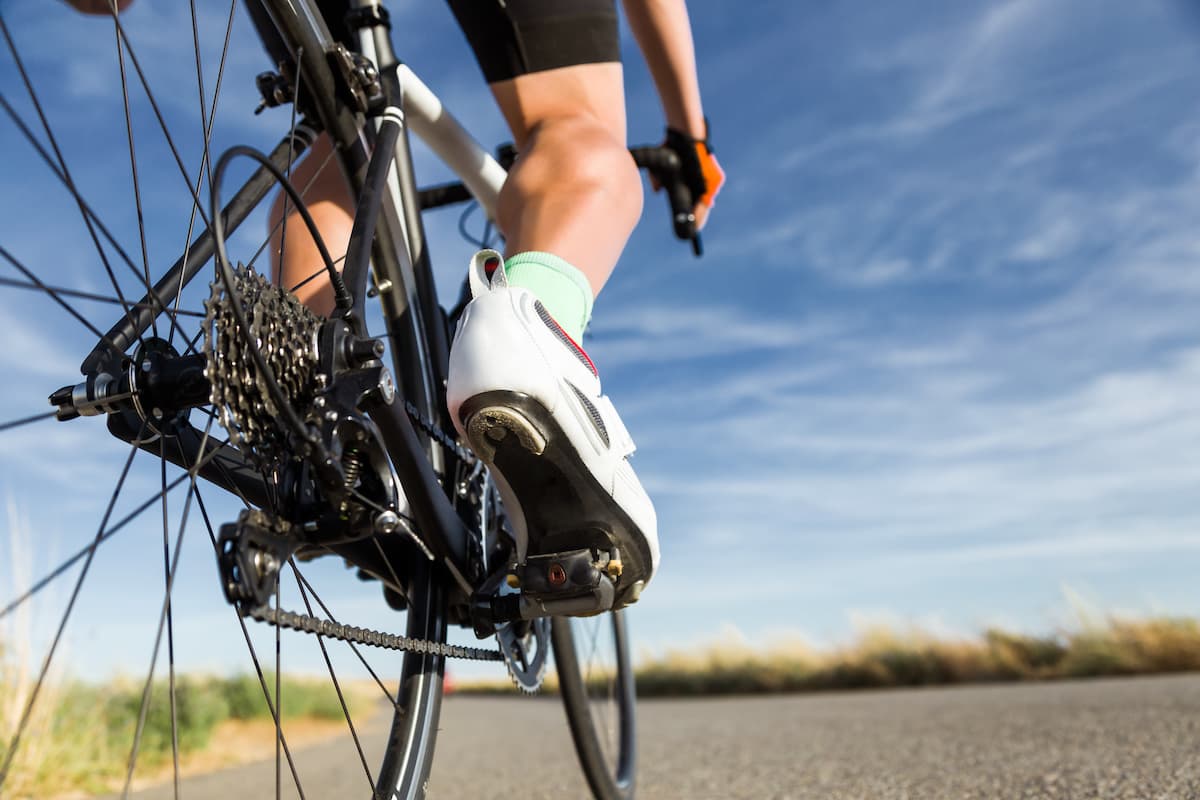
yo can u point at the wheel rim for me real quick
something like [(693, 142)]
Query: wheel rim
[(596, 678), (91, 269)]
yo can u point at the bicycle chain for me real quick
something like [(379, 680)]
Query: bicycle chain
[(306, 623), (439, 435)]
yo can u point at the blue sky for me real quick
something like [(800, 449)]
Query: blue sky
[(939, 365)]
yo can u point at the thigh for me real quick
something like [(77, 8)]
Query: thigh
[(591, 94)]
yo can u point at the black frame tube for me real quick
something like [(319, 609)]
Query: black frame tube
[(366, 215)]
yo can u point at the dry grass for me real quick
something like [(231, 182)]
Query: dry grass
[(77, 737), (883, 657), (80, 735)]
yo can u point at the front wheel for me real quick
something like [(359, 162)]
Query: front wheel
[(596, 680)]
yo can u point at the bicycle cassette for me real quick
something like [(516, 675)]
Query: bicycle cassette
[(285, 332)]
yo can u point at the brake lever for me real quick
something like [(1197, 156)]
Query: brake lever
[(679, 196)]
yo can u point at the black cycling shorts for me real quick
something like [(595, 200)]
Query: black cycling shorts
[(516, 37), (509, 37)]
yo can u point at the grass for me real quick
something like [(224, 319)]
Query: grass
[(881, 657), (79, 738)]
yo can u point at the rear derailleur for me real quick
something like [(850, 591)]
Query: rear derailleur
[(338, 493)]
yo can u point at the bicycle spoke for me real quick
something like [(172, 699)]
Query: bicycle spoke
[(278, 268), (162, 123), (333, 677), (96, 298), (105, 536), (278, 705), (27, 420), (163, 616), (279, 224), (15, 742), (387, 562), (70, 183), (262, 681), (591, 654), (46, 157), (7, 256), (229, 481), (192, 344), (170, 617), (89, 213), (171, 564), (137, 184), (206, 127), (318, 273)]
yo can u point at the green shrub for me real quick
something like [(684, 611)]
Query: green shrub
[(199, 706)]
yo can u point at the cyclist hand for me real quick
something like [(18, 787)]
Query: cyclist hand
[(699, 170), (97, 6)]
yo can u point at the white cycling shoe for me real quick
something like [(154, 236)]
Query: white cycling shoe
[(527, 399)]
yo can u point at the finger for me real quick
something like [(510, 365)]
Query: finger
[(700, 212)]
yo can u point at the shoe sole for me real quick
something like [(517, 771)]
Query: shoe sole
[(565, 506)]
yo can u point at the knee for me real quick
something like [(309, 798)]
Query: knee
[(581, 156)]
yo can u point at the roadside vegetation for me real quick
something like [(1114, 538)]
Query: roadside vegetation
[(882, 657), (79, 737), (77, 740)]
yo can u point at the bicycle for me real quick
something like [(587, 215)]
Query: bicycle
[(329, 453)]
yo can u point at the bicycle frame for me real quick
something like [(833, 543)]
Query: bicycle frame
[(416, 324)]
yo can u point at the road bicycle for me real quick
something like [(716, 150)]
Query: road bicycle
[(331, 454)]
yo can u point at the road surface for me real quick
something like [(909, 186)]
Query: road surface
[(1129, 738)]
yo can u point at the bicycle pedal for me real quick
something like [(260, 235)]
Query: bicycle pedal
[(572, 582)]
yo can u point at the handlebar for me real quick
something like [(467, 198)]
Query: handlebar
[(661, 162)]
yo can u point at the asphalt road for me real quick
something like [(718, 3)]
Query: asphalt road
[(1132, 738)]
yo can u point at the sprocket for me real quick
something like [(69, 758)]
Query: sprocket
[(285, 332), (525, 645)]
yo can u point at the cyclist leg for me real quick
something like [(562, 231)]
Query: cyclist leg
[(574, 191), (296, 262), (521, 390), (295, 259)]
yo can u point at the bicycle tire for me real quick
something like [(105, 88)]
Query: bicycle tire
[(409, 748), (607, 747), (408, 756)]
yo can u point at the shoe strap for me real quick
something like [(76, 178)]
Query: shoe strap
[(477, 272), (618, 435)]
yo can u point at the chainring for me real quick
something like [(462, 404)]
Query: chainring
[(285, 332), (525, 646)]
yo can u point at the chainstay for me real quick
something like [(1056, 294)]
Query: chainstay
[(365, 636)]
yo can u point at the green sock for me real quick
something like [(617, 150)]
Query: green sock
[(563, 290)]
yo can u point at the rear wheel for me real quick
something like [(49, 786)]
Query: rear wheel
[(595, 677), (105, 208)]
